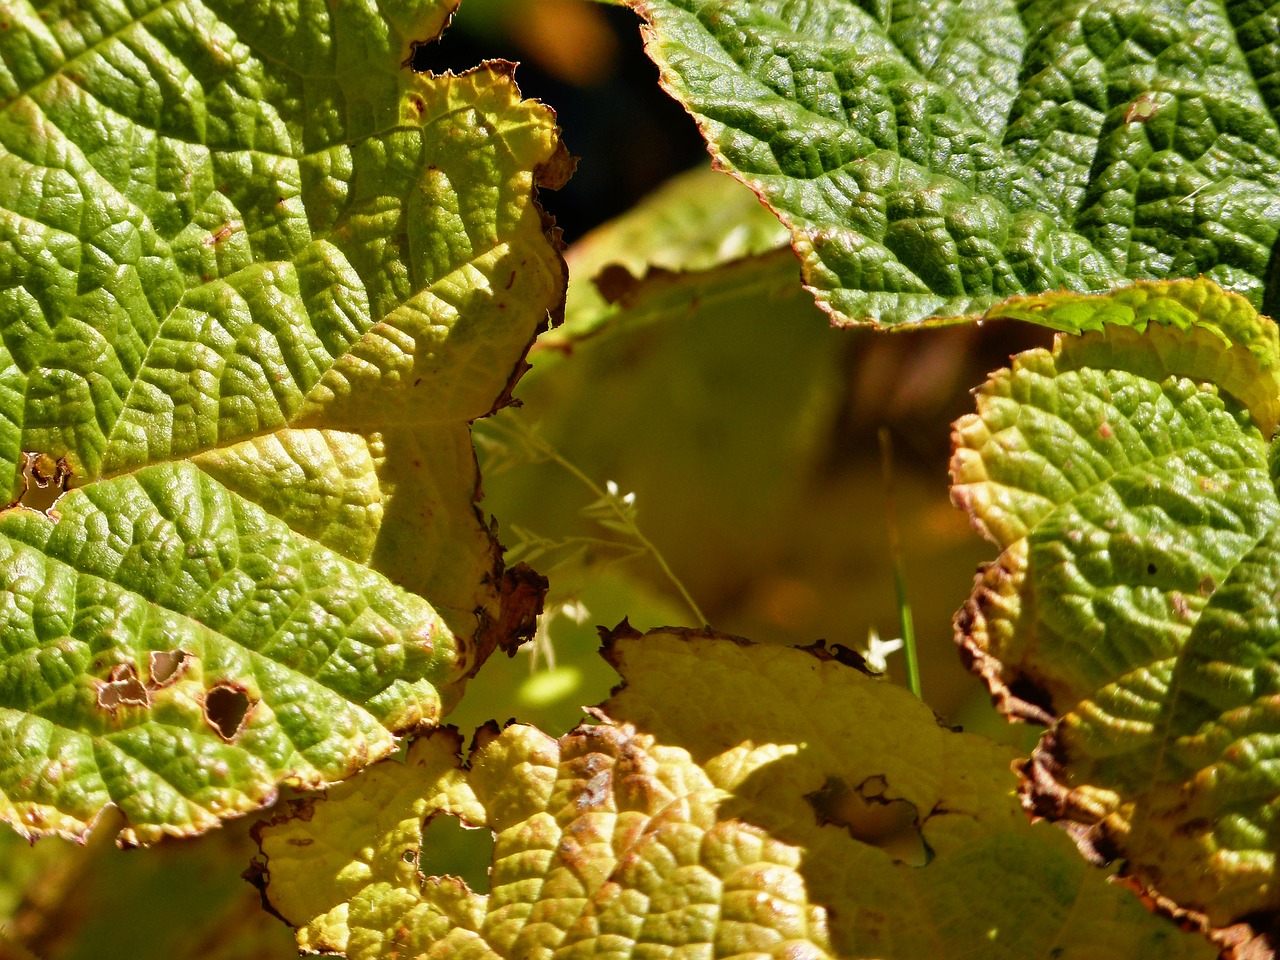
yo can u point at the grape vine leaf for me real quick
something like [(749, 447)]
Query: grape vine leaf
[(932, 159), (1127, 475), (909, 835), (605, 842), (256, 278), (912, 832)]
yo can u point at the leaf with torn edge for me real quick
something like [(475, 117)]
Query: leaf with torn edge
[(1127, 477), (932, 159), (912, 833), (798, 793), (257, 278), (606, 843)]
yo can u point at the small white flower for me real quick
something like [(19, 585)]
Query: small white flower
[(877, 650), (626, 499), (576, 611)]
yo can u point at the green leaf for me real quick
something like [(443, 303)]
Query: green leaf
[(932, 159), (1133, 602), (256, 278), (606, 843)]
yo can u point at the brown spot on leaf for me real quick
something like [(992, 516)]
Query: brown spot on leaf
[(1208, 585), (1180, 605), (226, 708), (595, 792), (1142, 109), (123, 688), (873, 817), (224, 232), (1213, 484)]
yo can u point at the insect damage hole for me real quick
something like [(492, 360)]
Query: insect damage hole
[(226, 708), (123, 688), (44, 480), (167, 665), (450, 848), (872, 817)]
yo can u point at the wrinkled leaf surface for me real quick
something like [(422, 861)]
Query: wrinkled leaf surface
[(255, 279), (933, 158), (824, 785), (606, 844), (1127, 479)]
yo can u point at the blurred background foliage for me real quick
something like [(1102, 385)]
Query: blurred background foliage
[(695, 412)]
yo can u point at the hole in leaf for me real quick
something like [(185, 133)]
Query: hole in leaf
[(167, 666), (452, 849), (870, 816), (123, 689), (44, 480), (1151, 568), (226, 707)]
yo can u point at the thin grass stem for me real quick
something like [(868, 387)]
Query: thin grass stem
[(625, 520), (905, 622)]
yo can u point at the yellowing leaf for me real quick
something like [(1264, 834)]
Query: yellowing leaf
[(606, 844), (913, 836), (794, 780)]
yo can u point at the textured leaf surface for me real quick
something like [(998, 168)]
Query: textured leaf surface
[(255, 279), (636, 848), (606, 844), (933, 158), (1134, 600), (913, 836)]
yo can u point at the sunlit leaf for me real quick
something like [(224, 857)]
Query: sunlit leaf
[(256, 276), (606, 844), (1126, 476), (913, 836), (933, 158), (794, 780)]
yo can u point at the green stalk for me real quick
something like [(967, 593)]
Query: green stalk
[(905, 623)]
